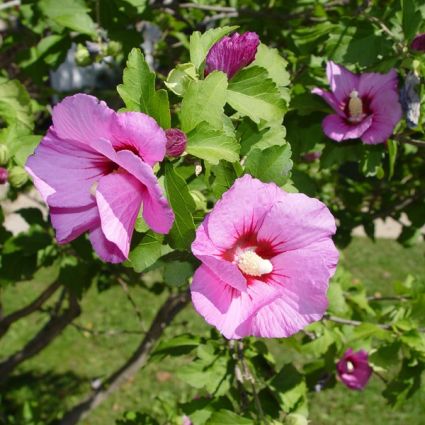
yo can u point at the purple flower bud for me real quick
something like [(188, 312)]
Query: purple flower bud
[(418, 43), (231, 54), (176, 142), (354, 370), (311, 156), (3, 175), (186, 420)]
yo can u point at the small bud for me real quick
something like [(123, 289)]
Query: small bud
[(418, 43), (4, 155), (113, 48), (176, 142), (3, 175), (82, 56), (17, 176)]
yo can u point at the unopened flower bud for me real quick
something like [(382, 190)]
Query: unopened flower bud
[(418, 43), (3, 175), (113, 48), (17, 176), (4, 154), (82, 56), (176, 142)]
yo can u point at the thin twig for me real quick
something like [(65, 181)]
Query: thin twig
[(171, 307), (106, 332), (7, 321)]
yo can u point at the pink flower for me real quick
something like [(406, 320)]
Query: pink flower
[(354, 370), (231, 54), (176, 142), (418, 43), (366, 105), (3, 175), (267, 257), (94, 170), (186, 420)]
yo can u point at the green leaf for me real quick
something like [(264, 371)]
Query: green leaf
[(275, 65), (138, 90), (392, 156), (225, 175), (200, 44), (15, 105), (371, 164), (212, 145), (411, 19), (71, 14), (22, 147), (183, 205), (253, 93), (409, 236), (144, 254), (177, 346), (204, 100), (227, 417), (180, 76), (177, 273), (270, 165)]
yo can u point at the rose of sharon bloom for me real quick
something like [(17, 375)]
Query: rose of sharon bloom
[(267, 257), (354, 370), (418, 43), (94, 170), (176, 142), (231, 54), (366, 105)]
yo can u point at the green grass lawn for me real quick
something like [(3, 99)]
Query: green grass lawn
[(62, 373)]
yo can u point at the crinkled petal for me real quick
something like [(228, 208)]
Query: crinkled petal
[(119, 197), (106, 250), (82, 118), (296, 222), (336, 128), (241, 210), (341, 80), (372, 83), (386, 114), (139, 133), (156, 210), (226, 308), (330, 99), (69, 223)]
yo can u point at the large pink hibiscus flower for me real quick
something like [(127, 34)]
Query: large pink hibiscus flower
[(366, 105), (94, 170), (267, 257)]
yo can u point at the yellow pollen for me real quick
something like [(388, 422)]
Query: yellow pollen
[(355, 107), (350, 367), (93, 188), (252, 264)]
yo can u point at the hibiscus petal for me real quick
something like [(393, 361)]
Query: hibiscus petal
[(223, 306), (82, 118), (119, 197), (296, 222), (372, 83), (341, 80), (330, 99), (105, 249), (68, 168), (336, 128), (70, 223), (241, 210), (386, 114), (141, 133)]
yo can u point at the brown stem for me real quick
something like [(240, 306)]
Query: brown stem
[(44, 337), (172, 305), (7, 321)]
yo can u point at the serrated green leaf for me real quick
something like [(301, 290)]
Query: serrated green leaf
[(270, 165), (227, 417), (200, 44), (204, 100), (411, 18), (183, 205), (212, 145), (177, 273), (71, 14), (253, 93), (144, 254), (138, 90), (22, 147), (180, 76)]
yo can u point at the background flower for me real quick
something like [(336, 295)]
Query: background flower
[(354, 370), (366, 105), (267, 257)]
